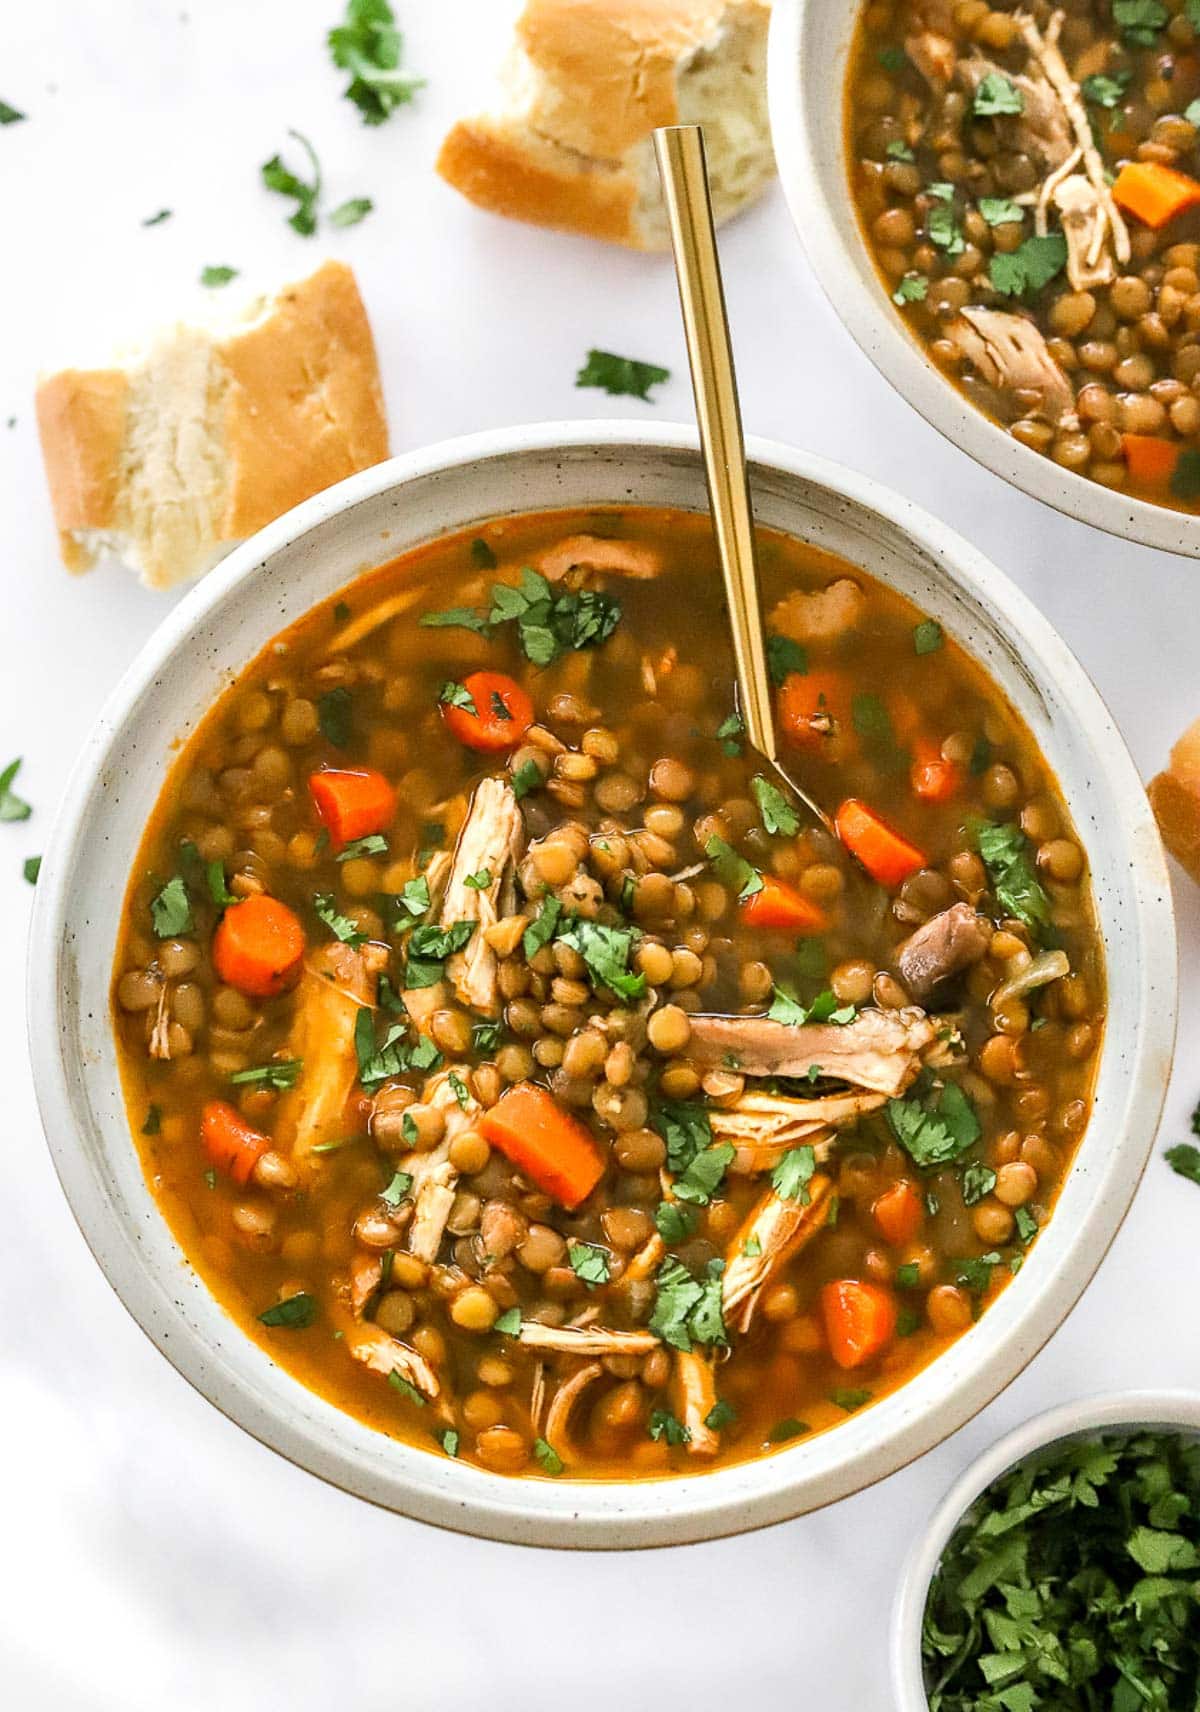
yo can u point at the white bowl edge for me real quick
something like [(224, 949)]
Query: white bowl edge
[(806, 63), (256, 592)]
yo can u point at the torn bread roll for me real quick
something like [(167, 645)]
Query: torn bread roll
[(586, 83), (1175, 799), (169, 457)]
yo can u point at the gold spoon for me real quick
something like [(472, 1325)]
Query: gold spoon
[(684, 174)]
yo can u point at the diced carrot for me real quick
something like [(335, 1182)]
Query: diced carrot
[(884, 853), (258, 947), (1149, 459), (808, 696), (1154, 193), (860, 1319), (352, 803), (899, 1212), (230, 1142), (934, 779), (779, 905), (503, 713), (545, 1143)]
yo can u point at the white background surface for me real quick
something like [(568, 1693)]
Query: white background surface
[(152, 1554)]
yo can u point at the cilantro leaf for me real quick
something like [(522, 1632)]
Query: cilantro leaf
[(688, 1309), (913, 288), (428, 948), (793, 1174), (1185, 478), (279, 1074), (398, 1382), (1185, 1159), (997, 95), (1018, 891), (509, 1322), (448, 1438), (351, 212), (673, 1222), (606, 951), (978, 1181), (305, 193), (454, 694), (664, 1425), (1000, 210), (779, 818), (528, 777), (217, 275), (341, 927), (368, 45), (1106, 89), (704, 1175), (374, 844), (621, 376), (153, 1123), (785, 657), (547, 1456), (11, 115), (927, 636), (12, 807), (542, 928), (685, 1128), (294, 1313), (171, 910), (722, 1414), (789, 1428), (31, 867), (589, 1263), (335, 716), (1140, 21), (396, 1189), (730, 733), (733, 870), (935, 1128), (1029, 267)]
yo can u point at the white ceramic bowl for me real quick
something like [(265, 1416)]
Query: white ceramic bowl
[(809, 44), (1124, 1411), (277, 576)]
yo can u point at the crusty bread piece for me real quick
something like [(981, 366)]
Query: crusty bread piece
[(1175, 799), (169, 458), (586, 83)]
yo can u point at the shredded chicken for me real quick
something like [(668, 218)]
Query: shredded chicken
[(819, 615), (385, 1354), (491, 840), (775, 1229), (635, 559), (644, 1262), (558, 1419), (586, 1340), (369, 621), (763, 1127), (366, 1275), (693, 1398), (1042, 129), (879, 1050), (949, 942), (1009, 353), (337, 983), (160, 1035), (1084, 221), (434, 1178)]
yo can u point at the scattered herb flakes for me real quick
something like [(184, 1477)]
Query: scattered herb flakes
[(908, 1276), (1027, 1225), (281, 1073), (158, 219), (913, 288), (486, 1036), (341, 612), (785, 1007), (552, 622), (218, 274), (335, 716), (449, 1440), (791, 1177), (306, 195), (482, 556), (898, 151), (1185, 1159), (730, 733), (428, 949), (733, 870), (210, 1178), (351, 212), (398, 1383), (339, 925), (547, 1456), (31, 867), (1005, 852), (667, 1427), (997, 95), (527, 777), (413, 897), (454, 694), (368, 45), (935, 1127), (1000, 210), (1029, 267), (851, 1399), (479, 882), (621, 376), (789, 1428), (893, 59), (687, 1310), (171, 910), (1108, 89), (978, 1181), (373, 844), (722, 1414), (975, 1275), (943, 229), (928, 636), (833, 1210), (294, 1312), (606, 951), (1140, 21), (779, 818), (11, 115), (153, 1123), (686, 1129), (397, 1189), (785, 657), (704, 1175), (908, 1321), (509, 1322), (589, 1263), (673, 1222), (542, 928), (1185, 478), (12, 807), (459, 1089), (393, 1056), (214, 879), (752, 1247)]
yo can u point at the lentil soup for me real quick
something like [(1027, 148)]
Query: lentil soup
[(1026, 180), (527, 1073)]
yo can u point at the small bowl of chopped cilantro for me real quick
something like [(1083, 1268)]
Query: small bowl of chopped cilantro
[(1062, 1572)]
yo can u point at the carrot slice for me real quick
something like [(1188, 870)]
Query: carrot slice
[(352, 803), (503, 713), (258, 947), (808, 696), (545, 1143), (779, 905), (1154, 193), (886, 855), (231, 1144), (899, 1212), (933, 779), (1150, 460), (860, 1319)]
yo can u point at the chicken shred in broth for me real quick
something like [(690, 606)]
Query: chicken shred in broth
[(530, 1076)]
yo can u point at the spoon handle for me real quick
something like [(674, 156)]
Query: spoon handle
[(684, 174)]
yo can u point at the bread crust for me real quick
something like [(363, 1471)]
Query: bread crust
[(303, 406), (81, 415), (502, 167)]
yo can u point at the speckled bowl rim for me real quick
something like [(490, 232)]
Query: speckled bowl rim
[(1117, 1411), (652, 462), (806, 76)]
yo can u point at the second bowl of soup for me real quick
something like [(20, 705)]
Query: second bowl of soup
[(581, 1141)]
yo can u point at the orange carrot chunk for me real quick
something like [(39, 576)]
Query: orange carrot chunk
[(352, 803), (781, 906), (258, 947), (934, 779), (229, 1142), (1150, 460), (884, 853), (503, 713), (545, 1143), (860, 1320), (812, 706), (899, 1212), (1153, 193)]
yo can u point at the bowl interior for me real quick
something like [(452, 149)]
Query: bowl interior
[(273, 580), (809, 49)]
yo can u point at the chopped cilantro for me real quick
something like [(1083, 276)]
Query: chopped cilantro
[(704, 1174), (509, 1322), (374, 844), (305, 194), (687, 1310), (908, 1276), (976, 1274), (793, 1174), (294, 1312), (943, 229), (12, 807), (428, 949), (913, 288), (153, 1123), (335, 716), (685, 1128), (893, 59), (482, 556), (850, 1399), (722, 1414), (898, 151), (398, 1383), (786, 1430), (448, 1439), (486, 1036), (673, 1222), (11, 115), (785, 657), (351, 212), (368, 45), (31, 867), (456, 618), (339, 925), (1107, 90), (1185, 1159), (779, 818), (171, 910), (978, 1181), (733, 870), (1018, 891), (551, 623), (459, 1089), (279, 1074), (664, 1425), (621, 376), (908, 1321), (927, 636), (413, 897), (454, 694), (1027, 1225), (606, 951), (1000, 210), (730, 733), (527, 777), (997, 95), (1029, 267), (1185, 478), (397, 1189), (542, 928), (934, 1128), (547, 1456), (1140, 21), (589, 1263), (217, 275), (824, 1008)]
